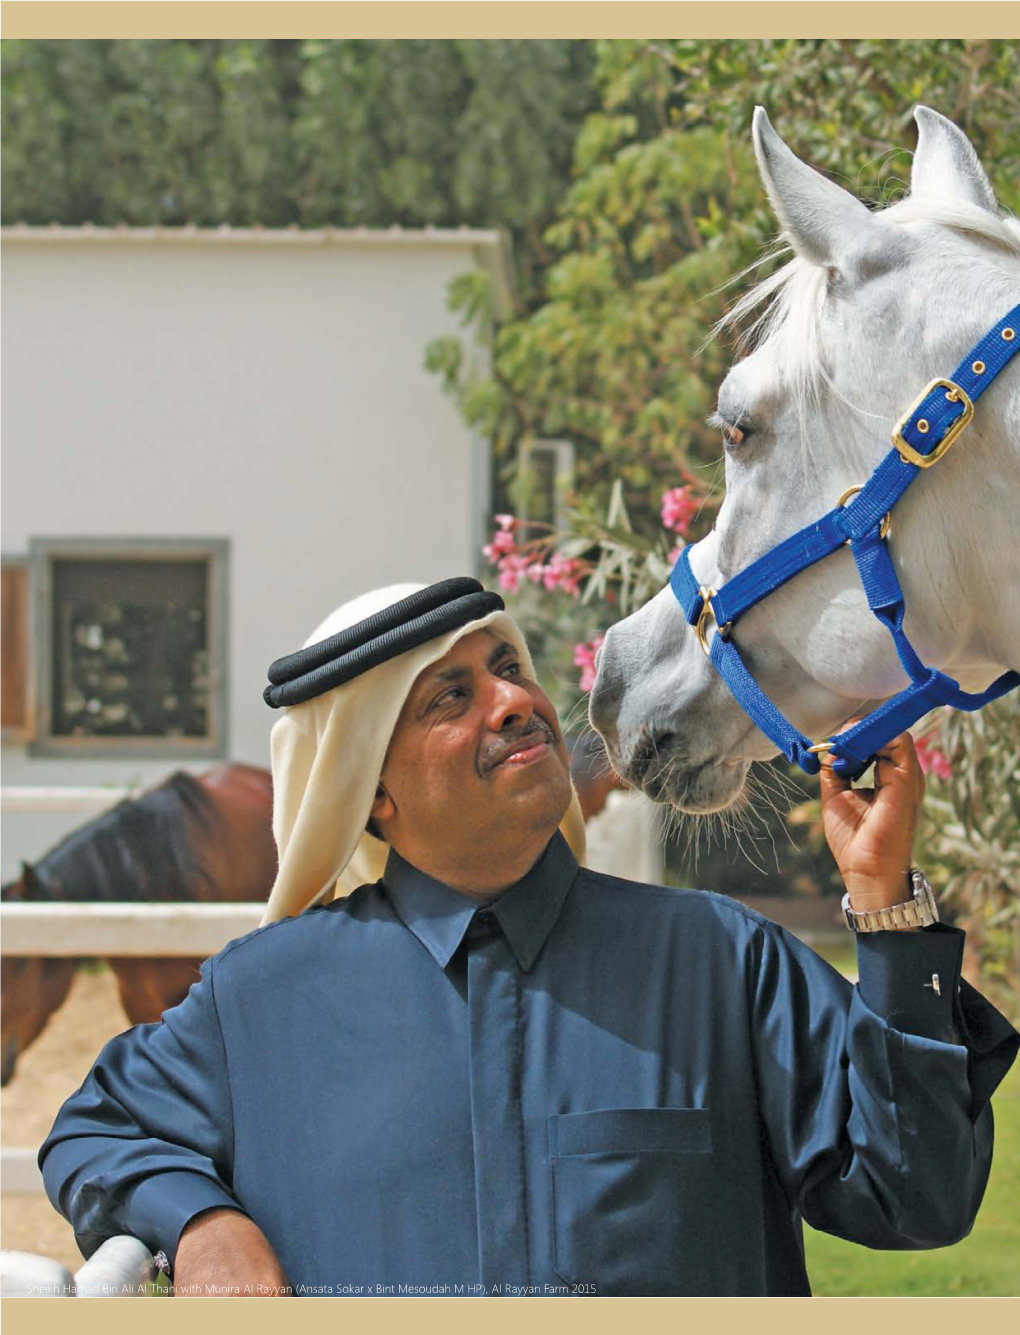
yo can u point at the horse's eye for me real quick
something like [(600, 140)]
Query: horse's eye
[(732, 434)]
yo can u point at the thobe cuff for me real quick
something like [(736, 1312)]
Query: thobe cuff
[(897, 981), (910, 979), (159, 1207)]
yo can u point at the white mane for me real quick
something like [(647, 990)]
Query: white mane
[(787, 303)]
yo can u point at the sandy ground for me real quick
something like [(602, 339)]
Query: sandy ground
[(53, 1068)]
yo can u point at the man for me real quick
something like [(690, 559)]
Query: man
[(492, 1071)]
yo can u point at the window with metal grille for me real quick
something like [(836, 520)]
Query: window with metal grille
[(131, 647)]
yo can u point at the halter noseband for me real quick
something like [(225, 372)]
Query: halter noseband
[(919, 439)]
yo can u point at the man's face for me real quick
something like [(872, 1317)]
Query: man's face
[(476, 754)]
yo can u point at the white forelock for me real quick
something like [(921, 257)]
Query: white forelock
[(787, 304)]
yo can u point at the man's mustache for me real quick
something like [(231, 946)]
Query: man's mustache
[(495, 752)]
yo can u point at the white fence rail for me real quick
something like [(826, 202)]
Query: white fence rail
[(89, 800), (111, 930), (106, 930), (121, 1268)]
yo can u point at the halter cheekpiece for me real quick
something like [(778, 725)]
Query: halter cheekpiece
[(919, 439)]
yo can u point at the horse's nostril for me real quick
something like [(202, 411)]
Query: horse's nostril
[(649, 756)]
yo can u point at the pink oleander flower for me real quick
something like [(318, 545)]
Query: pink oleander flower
[(932, 759), (535, 572), (511, 568), (584, 658), (679, 507), (506, 522), (563, 573), (501, 545)]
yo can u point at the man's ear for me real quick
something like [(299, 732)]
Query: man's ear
[(383, 806)]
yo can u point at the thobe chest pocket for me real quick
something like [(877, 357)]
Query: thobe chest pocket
[(630, 1187)]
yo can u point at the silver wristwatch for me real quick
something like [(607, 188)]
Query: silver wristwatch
[(921, 911)]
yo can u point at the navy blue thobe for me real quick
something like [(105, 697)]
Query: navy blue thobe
[(591, 1086)]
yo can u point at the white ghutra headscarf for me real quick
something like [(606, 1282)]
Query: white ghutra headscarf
[(328, 754)]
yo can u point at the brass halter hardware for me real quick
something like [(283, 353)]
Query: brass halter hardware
[(700, 628), (954, 394), (886, 524)]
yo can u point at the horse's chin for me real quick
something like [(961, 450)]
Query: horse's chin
[(701, 790)]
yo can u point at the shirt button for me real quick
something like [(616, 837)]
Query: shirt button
[(483, 927)]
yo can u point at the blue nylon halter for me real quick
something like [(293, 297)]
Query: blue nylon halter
[(920, 439)]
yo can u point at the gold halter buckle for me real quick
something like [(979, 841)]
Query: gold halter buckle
[(955, 395)]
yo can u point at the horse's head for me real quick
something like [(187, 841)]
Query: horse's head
[(31, 988), (872, 307)]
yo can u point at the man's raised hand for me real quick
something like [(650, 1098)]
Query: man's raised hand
[(871, 830)]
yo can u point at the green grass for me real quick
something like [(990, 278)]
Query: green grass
[(842, 957), (985, 1264)]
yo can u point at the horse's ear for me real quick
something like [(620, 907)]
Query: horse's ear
[(945, 164), (822, 220), (29, 881)]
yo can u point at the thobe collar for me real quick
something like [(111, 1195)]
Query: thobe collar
[(439, 916)]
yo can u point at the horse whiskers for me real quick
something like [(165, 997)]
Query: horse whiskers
[(773, 780), (755, 821), (734, 822), (579, 709), (693, 835), (739, 829), (744, 824), (758, 788)]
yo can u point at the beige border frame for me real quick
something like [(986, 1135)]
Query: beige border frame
[(509, 18), (895, 19)]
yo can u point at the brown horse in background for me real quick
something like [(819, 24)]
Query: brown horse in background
[(193, 839)]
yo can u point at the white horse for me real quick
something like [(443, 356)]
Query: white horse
[(872, 307)]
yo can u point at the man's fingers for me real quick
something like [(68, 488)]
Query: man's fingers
[(900, 751), (831, 782), (895, 761)]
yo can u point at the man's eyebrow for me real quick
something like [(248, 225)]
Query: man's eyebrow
[(455, 673), (500, 651), (440, 677), (459, 671)]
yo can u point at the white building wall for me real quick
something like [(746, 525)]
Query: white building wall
[(272, 393)]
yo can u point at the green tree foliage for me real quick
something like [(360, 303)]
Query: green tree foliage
[(666, 208), (348, 133), (971, 838)]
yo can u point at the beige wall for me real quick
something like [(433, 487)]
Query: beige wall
[(273, 394)]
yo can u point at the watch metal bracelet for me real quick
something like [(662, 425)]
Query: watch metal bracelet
[(920, 911)]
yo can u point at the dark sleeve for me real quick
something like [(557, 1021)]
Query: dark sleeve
[(878, 1123), (146, 1143)]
